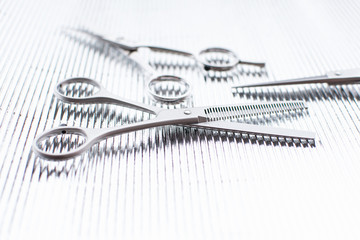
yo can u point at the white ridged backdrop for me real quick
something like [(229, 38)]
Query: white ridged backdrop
[(173, 182)]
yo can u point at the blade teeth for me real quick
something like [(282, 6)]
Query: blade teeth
[(231, 112), (278, 139), (282, 140)]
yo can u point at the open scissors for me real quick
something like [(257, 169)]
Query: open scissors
[(332, 78), (208, 58), (210, 117), (164, 88)]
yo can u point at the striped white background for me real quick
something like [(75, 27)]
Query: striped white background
[(176, 183)]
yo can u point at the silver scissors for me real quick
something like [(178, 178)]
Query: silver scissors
[(164, 88), (208, 58), (210, 117), (350, 76)]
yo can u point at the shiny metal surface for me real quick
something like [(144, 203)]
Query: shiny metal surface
[(181, 89), (55, 144), (208, 57), (179, 183), (340, 77)]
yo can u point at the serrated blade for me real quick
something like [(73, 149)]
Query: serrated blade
[(256, 130), (224, 112), (212, 117)]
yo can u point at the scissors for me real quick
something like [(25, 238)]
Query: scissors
[(349, 76), (210, 117), (164, 88), (208, 58)]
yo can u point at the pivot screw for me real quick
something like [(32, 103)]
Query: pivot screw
[(187, 112)]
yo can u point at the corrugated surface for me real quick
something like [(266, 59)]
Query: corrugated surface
[(176, 183)]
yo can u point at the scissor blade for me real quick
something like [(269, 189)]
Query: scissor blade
[(127, 45), (256, 129), (231, 111), (317, 79), (334, 77), (84, 31), (106, 38)]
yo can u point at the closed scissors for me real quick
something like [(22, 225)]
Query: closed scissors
[(210, 117), (208, 58), (349, 76)]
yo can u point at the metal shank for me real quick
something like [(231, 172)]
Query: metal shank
[(332, 78)]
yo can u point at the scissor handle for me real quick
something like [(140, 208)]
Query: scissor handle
[(89, 97), (99, 96), (226, 64), (93, 135), (182, 93), (156, 79), (66, 151)]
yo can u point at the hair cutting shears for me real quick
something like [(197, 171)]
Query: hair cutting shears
[(164, 88), (85, 91), (214, 58)]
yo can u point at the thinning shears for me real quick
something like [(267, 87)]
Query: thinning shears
[(340, 77), (210, 117), (208, 58)]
